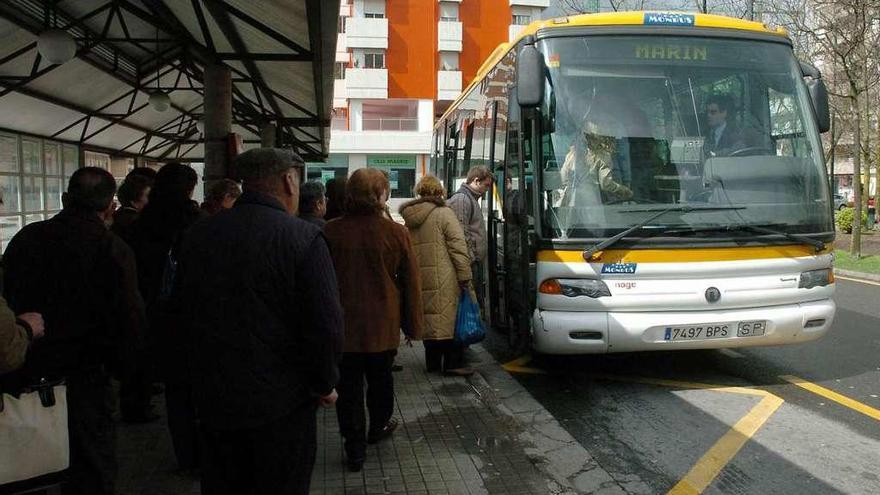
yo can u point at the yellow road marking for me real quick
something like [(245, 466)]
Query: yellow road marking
[(518, 366), (724, 450), (832, 395), (838, 277), (677, 384)]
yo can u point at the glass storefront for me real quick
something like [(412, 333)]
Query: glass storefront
[(401, 170), (336, 166), (33, 174)]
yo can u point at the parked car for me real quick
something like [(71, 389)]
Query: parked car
[(871, 202), (840, 202)]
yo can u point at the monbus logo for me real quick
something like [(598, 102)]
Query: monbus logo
[(668, 19)]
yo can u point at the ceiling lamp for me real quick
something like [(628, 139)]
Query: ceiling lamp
[(56, 45), (160, 101)]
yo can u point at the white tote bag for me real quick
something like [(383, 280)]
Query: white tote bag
[(33, 434)]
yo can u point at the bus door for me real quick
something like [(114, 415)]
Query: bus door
[(518, 187), (495, 225), (450, 153)]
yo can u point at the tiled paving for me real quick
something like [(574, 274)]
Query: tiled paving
[(450, 442)]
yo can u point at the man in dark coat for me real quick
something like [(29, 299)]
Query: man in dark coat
[(134, 388), (88, 296), (724, 137), (259, 305), (313, 203)]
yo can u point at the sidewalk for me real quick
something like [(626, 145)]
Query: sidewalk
[(482, 435)]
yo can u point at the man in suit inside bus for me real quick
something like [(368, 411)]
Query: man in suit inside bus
[(724, 136)]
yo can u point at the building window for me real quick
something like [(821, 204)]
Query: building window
[(448, 12), (374, 60), (374, 15), (33, 174), (339, 70), (521, 20), (448, 60)]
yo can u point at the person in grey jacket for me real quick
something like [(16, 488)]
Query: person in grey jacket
[(465, 203)]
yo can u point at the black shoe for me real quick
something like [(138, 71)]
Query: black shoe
[(140, 418), (385, 432), (459, 372), (355, 464)]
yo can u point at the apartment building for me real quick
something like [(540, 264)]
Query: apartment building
[(400, 63)]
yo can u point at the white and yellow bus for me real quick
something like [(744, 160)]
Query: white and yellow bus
[(660, 184)]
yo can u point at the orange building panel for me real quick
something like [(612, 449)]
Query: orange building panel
[(485, 26), (412, 49)]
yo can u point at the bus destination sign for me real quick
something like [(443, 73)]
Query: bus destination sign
[(668, 19)]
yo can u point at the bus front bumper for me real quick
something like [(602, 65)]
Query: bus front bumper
[(566, 332)]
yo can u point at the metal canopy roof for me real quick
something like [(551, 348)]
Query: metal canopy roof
[(280, 53)]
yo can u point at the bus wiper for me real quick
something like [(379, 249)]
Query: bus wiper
[(819, 245), (682, 208)]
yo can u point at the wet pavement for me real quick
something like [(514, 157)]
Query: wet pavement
[(457, 436), (799, 419)]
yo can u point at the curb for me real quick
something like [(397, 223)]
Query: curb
[(872, 277), (552, 449)]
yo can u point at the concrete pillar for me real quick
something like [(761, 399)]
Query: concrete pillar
[(426, 115), (218, 122), (356, 161), (267, 136), (356, 115)]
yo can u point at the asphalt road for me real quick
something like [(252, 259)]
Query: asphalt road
[(729, 422)]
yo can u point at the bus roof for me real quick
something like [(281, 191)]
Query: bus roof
[(634, 18)]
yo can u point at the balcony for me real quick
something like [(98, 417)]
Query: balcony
[(362, 32), (390, 124), (448, 84), (380, 142), (366, 83), (340, 93), (530, 3), (341, 48), (449, 36), (513, 31)]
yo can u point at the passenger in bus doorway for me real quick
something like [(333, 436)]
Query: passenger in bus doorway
[(442, 252), (466, 204)]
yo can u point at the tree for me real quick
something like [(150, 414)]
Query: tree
[(843, 35)]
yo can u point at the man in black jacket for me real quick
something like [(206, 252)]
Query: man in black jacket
[(82, 278), (259, 304)]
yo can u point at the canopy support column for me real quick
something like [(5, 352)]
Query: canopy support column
[(218, 122)]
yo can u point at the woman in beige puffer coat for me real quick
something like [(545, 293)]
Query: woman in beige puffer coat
[(445, 268)]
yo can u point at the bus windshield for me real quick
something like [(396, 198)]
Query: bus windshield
[(632, 124)]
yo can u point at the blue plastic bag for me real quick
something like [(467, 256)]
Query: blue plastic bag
[(469, 327)]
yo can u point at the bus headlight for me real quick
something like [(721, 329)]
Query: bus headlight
[(816, 278), (574, 287)]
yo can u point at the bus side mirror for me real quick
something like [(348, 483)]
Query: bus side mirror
[(818, 95), (529, 77)]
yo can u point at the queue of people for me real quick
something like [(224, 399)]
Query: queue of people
[(250, 317)]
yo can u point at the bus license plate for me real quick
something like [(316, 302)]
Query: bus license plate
[(698, 332)]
